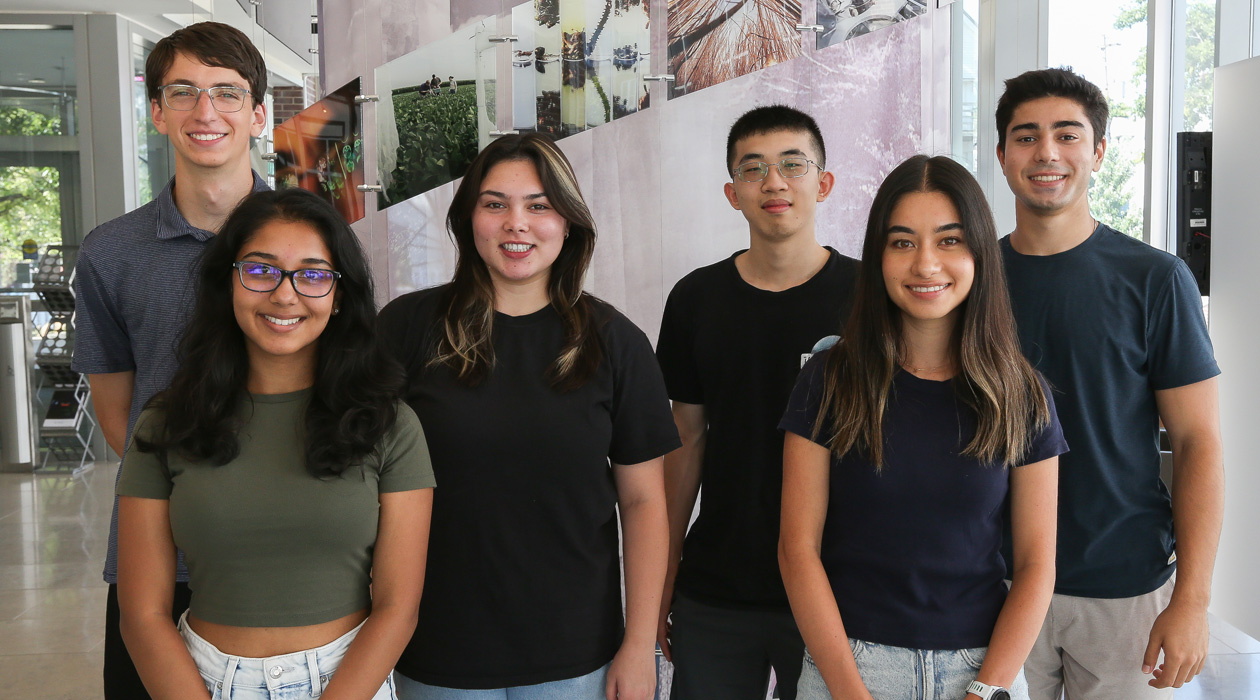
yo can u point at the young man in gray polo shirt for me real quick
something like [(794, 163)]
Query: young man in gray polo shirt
[(134, 281)]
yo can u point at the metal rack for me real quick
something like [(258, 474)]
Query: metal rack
[(67, 439)]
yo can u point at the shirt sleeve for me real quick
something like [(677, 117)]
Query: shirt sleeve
[(1049, 441), (806, 401), (674, 348), (101, 342), (1178, 346), (144, 474), (642, 422), (405, 463)]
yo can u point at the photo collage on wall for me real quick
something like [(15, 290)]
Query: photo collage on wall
[(578, 64), (436, 107), (713, 41), (320, 149), (842, 20)]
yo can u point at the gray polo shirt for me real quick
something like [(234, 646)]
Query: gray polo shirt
[(134, 287)]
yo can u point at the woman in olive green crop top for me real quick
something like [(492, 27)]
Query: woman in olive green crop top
[(281, 463)]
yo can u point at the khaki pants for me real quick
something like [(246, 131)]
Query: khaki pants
[(1092, 648)]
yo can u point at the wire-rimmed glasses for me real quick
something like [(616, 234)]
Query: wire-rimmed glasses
[(790, 167), (184, 98), (311, 282)]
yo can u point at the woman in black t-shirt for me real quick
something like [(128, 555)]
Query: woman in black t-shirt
[(905, 445), (547, 418)]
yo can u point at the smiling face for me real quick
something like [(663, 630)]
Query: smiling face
[(515, 229), (282, 326), (928, 268), (1050, 155), (777, 207), (203, 137)]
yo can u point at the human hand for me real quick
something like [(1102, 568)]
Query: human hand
[(1182, 632), (664, 628), (632, 673)]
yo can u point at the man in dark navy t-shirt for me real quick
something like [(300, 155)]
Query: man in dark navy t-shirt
[(1117, 328), (733, 338)]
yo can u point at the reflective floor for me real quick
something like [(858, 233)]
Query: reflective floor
[(53, 529)]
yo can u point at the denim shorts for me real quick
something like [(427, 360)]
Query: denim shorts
[(298, 676), (897, 673), (588, 687)]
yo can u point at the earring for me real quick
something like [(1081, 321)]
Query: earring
[(336, 310), (566, 235)]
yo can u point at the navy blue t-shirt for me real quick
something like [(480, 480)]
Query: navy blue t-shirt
[(913, 551), (1108, 323)]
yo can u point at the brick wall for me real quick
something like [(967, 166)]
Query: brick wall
[(286, 102)]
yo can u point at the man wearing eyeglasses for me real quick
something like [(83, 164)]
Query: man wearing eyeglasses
[(134, 278), (734, 336)]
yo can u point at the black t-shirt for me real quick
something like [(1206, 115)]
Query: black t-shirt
[(1108, 323), (737, 350), (913, 551), (523, 584)]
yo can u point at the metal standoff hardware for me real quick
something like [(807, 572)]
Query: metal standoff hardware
[(505, 39), (809, 27), (268, 157), (665, 78), (255, 3), (370, 188), (497, 134), (360, 99)]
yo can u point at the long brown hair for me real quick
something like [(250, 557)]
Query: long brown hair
[(464, 343), (993, 379)]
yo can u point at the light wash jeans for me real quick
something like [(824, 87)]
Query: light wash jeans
[(588, 687), (897, 673), (301, 675)]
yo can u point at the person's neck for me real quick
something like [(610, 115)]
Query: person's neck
[(206, 197), (776, 265), (520, 299), (1048, 233), (280, 376), (925, 347)]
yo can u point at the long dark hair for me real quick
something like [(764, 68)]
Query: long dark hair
[(356, 381), (994, 379), (467, 307)]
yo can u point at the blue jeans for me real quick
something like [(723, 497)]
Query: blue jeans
[(897, 673), (301, 675), (588, 687)]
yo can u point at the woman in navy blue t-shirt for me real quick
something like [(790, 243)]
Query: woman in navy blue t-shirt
[(906, 443)]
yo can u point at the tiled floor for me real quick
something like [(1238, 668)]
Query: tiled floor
[(52, 601)]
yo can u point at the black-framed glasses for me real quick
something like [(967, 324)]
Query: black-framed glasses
[(791, 167), (309, 282), (183, 98)]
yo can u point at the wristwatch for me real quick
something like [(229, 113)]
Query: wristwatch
[(989, 692)]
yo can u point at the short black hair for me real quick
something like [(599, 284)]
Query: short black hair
[(772, 118), (1053, 82)]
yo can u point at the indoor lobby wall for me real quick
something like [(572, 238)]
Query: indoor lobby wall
[(1236, 335), (654, 178)]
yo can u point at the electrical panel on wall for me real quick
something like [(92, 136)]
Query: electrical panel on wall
[(1194, 204)]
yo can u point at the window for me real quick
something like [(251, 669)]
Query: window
[(1105, 41)]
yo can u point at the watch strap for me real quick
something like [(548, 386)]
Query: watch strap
[(988, 692)]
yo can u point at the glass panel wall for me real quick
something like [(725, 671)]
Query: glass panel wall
[(153, 156), (1105, 41), (39, 165), (964, 82)]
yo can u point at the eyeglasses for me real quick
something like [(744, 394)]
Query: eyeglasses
[(756, 171), (184, 98), (309, 282)]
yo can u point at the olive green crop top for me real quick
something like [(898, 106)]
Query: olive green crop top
[(267, 544)]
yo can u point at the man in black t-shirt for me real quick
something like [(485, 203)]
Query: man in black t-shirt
[(733, 339), (1117, 328)]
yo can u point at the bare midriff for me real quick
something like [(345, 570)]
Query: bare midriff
[(262, 642)]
